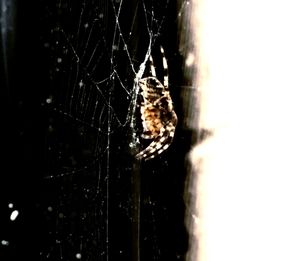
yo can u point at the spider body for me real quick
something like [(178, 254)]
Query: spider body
[(159, 119)]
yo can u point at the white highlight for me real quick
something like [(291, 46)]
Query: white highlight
[(14, 215), (165, 147), (162, 139), (160, 151), (158, 146), (152, 151), (152, 68), (165, 65), (10, 205)]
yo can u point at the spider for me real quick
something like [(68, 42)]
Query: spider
[(159, 119)]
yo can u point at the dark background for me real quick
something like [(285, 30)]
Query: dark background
[(67, 164)]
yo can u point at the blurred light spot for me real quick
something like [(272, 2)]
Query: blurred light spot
[(59, 60), (4, 242), (10, 205), (196, 219), (14, 215), (49, 100), (78, 256), (50, 128), (190, 59)]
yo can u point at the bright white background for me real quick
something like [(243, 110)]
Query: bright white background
[(250, 187)]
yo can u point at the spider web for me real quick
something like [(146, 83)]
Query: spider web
[(96, 62), (93, 198)]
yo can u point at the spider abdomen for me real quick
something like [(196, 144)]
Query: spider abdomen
[(152, 120), (152, 89)]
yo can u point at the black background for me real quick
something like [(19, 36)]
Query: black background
[(72, 195)]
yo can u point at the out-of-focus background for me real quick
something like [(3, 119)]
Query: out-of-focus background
[(247, 205)]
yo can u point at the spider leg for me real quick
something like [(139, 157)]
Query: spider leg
[(152, 67), (161, 142), (146, 135), (165, 67)]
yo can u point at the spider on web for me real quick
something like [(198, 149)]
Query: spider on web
[(159, 119)]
